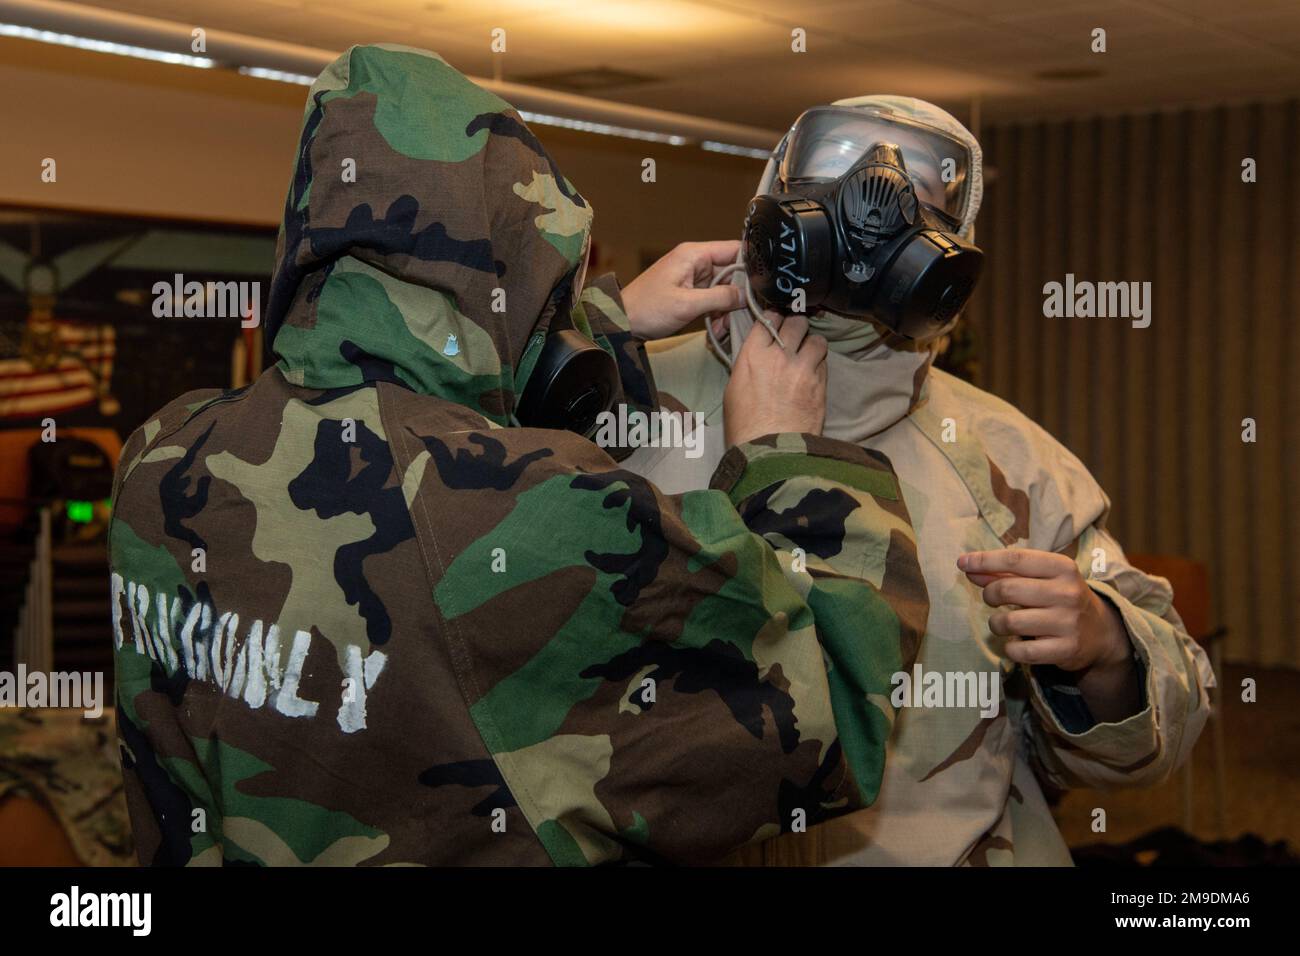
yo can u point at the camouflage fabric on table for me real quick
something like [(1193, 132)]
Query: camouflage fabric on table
[(69, 763), (361, 619)]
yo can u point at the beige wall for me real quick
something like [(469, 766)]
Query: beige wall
[(136, 137), (696, 195)]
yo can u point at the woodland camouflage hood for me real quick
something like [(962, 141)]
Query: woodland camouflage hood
[(428, 238)]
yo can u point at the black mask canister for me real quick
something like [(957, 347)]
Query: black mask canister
[(860, 245)]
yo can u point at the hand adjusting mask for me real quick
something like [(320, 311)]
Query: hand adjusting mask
[(864, 223)]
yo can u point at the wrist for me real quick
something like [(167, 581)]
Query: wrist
[(1117, 649)]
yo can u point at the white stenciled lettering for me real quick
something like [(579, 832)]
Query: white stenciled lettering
[(187, 637), (287, 700), (203, 636), (255, 682), (359, 677), (137, 599), (118, 589), (165, 652), (249, 665), (219, 676), (236, 686)]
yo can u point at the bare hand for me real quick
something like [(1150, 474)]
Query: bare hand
[(675, 291), (1044, 604), (774, 389)]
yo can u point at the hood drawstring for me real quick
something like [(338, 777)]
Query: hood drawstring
[(736, 273)]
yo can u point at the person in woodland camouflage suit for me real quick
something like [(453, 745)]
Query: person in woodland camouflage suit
[(362, 617), (1098, 683)]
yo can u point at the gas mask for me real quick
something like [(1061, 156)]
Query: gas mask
[(863, 221), (573, 380)]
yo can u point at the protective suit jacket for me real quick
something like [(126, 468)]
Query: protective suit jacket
[(360, 617), (962, 783), (978, 736)]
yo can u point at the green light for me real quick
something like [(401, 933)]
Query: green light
[(81, 511)]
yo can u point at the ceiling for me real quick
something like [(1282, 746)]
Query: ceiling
[(732, 59)]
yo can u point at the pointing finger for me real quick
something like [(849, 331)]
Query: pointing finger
[(1025, 562)]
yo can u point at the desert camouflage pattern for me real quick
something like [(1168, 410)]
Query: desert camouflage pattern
[(360, 618), (976, 474)]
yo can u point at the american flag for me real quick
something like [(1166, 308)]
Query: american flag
[(79, 376)]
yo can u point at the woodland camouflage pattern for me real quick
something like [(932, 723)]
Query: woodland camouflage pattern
[(361, 619)]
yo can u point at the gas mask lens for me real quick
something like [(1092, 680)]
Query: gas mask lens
[(864, 223), (827, 141)]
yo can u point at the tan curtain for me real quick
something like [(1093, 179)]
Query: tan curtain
[(1156, 413)]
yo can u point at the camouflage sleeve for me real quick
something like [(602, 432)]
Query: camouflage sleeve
[(696, 672), (833, 513), (602, 306), (1066, 744)]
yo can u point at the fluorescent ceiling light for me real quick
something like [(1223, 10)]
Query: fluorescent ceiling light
[(730, 150), (301, 79), (542, 119), (104, 46), (280, 76), (586, 126)]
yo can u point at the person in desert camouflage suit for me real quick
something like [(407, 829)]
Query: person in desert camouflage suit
[(1121, 697), (361, 617)]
